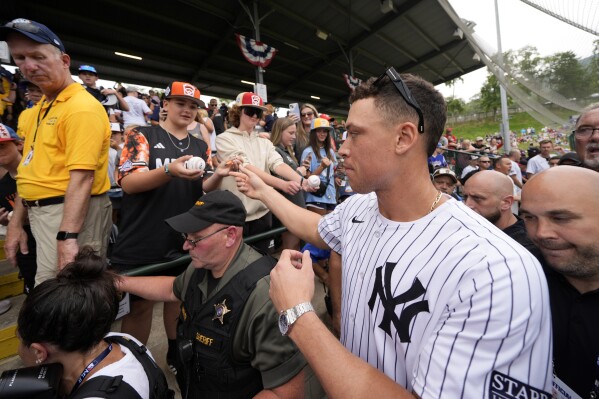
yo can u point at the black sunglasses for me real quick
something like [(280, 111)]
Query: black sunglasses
[(250, 111), (406, 94)]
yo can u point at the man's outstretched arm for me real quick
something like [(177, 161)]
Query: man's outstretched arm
[(341, 374), (301, 222)]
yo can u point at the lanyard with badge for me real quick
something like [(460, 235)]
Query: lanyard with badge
[(562, 391), (39, 122)]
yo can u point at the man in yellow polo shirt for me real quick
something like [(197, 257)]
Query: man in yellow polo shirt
[(63, 177)]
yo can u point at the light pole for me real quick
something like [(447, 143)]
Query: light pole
[(505, 124)]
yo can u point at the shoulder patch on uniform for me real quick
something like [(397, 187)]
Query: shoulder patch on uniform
[(504, 386), (127, 166)]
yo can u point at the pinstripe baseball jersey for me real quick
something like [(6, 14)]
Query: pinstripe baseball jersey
[(448, 306)]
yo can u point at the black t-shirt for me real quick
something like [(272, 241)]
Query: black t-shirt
[(218, 121), (8, 192), (575, 333), (144, 237), (518, 232)]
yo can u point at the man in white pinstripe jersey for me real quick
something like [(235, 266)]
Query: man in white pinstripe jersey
[(436, 301)]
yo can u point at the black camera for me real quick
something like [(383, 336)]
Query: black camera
[(39, 382)]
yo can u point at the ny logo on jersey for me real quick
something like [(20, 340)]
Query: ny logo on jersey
[(389, 302)]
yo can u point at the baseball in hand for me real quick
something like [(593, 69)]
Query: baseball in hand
[(195, 163), (314, 181)]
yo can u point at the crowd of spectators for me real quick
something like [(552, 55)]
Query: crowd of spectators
[(109, 191)]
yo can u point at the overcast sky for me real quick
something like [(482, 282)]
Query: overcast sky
[(523, 25)]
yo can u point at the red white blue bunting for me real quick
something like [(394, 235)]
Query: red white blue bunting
[(351, 82), (257, 53)]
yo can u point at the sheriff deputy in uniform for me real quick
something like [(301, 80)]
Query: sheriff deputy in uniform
[(230, 343)]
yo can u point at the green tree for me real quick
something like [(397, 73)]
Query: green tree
[(593, 70), (525, 62), (455, 106), (490, 99), (564, 74), (451, 83)]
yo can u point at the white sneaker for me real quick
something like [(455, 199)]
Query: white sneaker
[(5, 306)]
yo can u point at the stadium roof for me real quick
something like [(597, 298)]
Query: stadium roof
[(193, 40)]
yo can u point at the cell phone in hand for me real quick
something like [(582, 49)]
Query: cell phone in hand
[(294, 109)]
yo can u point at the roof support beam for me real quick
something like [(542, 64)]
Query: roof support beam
[(354, 42)]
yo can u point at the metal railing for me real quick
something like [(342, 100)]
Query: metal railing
[(185, 259)]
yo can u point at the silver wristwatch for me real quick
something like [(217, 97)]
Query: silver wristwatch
[(289, 316)]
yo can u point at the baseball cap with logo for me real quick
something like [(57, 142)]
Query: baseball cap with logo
[(183, 90), (217, 206), (249, 99), (33, 30), (7, 134), (88, 68), (318, 123), (445, 172)]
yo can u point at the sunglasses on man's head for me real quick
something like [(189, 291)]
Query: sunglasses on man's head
[(405, 93), (250, 111)]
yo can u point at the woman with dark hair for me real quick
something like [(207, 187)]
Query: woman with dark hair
[(66, 320), (322, 164)]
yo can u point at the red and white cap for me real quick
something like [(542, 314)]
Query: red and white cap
[(183, 90), (7, 133), (249, 99)]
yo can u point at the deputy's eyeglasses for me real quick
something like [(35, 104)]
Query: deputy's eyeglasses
[(194, 242), (585, 131), (250, 111), (304, 114), (406, 94)]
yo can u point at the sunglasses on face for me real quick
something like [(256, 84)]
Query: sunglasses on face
[(405, 93), (213, 105), (304, 114), (249, 111)]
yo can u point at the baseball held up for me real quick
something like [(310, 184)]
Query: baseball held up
[(314, 181), (195, 163)]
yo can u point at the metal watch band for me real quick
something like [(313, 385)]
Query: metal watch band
[(299, 310)]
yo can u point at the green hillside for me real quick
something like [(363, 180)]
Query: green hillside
[(490, 125)]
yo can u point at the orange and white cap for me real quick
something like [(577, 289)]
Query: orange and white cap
[(249, 99), (183, 90)]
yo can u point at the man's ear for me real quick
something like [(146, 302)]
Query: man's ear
[(406, 136), (66, 60), (506, 202)]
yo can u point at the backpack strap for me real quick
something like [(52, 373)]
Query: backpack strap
[(105, 387), (156, 378)]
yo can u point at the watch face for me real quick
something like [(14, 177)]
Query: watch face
[(283, 324)]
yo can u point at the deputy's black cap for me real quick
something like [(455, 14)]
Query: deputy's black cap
[(221, 207)]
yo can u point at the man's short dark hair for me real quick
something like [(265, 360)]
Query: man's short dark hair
[(394, 108)]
